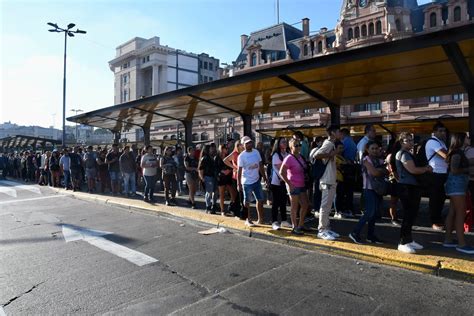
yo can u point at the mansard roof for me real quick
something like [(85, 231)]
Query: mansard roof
[(273, 38)]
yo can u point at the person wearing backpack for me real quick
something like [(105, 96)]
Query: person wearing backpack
[(169, 169), (90, 164), (436, 154), (327, 183), (76, 168), (128, 168), (317, 170), (456, 187), (277, 185), (409, 191)]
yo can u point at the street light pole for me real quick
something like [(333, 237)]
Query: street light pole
[(67, 32)]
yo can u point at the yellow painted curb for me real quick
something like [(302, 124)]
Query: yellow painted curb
[(428, 261)]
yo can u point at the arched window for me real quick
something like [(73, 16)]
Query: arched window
[(356, 32), (166, 137), (378, 28), (195, 137), (457, 14), (398, 25), (320, 47), (350, 34), (305, 50), (371, 29), (173, 136), (364, 30), (433, 19), (253, 61), (204, 136)]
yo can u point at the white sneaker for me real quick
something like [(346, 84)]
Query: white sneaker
[(326, 236), (275, 226), (286, 224), (406, 248), (316, 214), (334, 234), (415, 245), (249, 223), (337, 215)]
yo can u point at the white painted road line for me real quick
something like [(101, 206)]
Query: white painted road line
[(8, 191), (20, 186), (94, 237), (2, 311), (33, 199)]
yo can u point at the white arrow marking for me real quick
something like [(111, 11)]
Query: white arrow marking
[(33, 199), (94, 237), (30, 188), (2, 311), (8, 191)]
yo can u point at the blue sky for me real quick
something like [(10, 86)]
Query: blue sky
[(31, 57)]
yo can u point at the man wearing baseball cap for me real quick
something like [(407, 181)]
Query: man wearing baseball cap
[(250, 167)]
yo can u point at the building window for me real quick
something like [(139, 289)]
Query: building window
[(457, 97), (126, 65), (371, 29), (435, 99), (433, 19), (125, 96), (205, 79), (356, 32), (166, 137), (205, 65), (364, 30), (200, 64), (210, 66), (398, 25), (378, 28), (306, 111), (195, 137), (273, 55), (350, 34), (367, 107), (210, 78), (305, 50), (320, 47), (457, 14), (204, 136), (124, 79), (276, 114), (253, 61)]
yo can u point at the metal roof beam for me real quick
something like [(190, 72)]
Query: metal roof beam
[(159, 114), (216, 104), (460, 66), (120, 121), (311, 92)]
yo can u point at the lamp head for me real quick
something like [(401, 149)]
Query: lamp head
[(70, 26)]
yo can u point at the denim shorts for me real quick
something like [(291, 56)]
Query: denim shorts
[(297, 191), (255, 189), (456, 184), (114, 175)]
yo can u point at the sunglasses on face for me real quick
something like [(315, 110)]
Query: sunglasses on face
[(297, 145)]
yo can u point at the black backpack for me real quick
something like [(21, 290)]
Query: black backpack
[(420, 158)]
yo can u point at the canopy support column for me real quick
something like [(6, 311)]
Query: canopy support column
[(247, 122), (146, 135), (335, 115), (188, 133), (117, 136)]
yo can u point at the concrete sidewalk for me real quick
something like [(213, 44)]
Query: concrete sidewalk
[(434, 259)]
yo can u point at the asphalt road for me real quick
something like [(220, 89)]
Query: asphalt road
[(118, 261)]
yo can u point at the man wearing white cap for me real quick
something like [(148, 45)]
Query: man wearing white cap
[(250, 167)]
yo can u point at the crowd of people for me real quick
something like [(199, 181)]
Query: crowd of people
[(316, 175)]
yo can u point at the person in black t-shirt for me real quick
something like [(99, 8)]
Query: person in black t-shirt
[(207, 175)]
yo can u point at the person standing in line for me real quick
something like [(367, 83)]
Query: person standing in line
[(316, 165), (224, 179), (179, 159), (90, 164), (409, 191), (250, 169), (238, 208), (169, 168), (436, 154), (149, 166), (112, 161), (350, 154), (277, 185), (340, 194), (103, 170), (370, 134), (327, 183), (65, 164), (372, 167), (191, 175), (292, 171), (390, 161), (128, 169), (456, 187), (207, 175), (54, 168), (76, 168)]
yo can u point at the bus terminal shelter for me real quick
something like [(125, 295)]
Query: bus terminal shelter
[(437, 63)]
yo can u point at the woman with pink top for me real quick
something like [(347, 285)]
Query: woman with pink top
[(292, 171)]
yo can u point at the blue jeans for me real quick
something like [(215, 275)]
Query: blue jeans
[(67, 178), (255, 189), (129, 178), (372, 203), (210, 185), (149, 186)]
